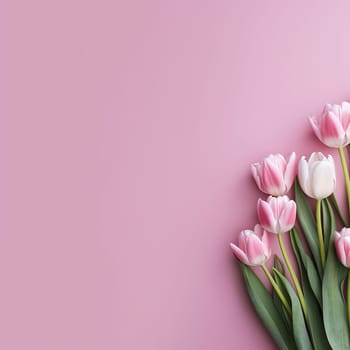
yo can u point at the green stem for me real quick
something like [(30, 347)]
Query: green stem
[(292, 274), (348, 296), (337, 209), (346, 174), (276, 288), (319, 231)]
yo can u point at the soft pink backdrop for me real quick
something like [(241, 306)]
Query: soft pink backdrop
[(126, 133)]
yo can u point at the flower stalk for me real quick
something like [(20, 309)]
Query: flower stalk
[(292, 274), (276, 288), (320, 232), (346, 174)]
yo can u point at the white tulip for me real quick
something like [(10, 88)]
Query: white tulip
[(317, 175)]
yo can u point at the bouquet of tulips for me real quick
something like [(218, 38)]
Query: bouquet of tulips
[(307, 302)]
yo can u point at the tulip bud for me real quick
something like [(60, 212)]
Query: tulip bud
[(317, 176), (253, 246), (274, 175), (332, 127), (277, 214), (342, 246)]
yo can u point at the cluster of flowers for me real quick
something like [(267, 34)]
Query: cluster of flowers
[(316, 177)]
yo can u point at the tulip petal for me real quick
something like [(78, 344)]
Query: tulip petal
[(239, 254), (265, 239), (303, 176), (339, 247), (346, 244), (266, 216), (255, 251), (272, 178), (255, 168), (291, 170), (321, 182), (243, 238), (345, 120), (331, 130), (288, 216), (316, 127), (337, 236), (258, 230)]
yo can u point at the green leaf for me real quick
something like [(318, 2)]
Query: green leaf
[(308, 225), (300, 332), (304, 260), (334, 308), (313, 298), (326, 223), (314, 280), (265, 308), (279, 265), (337, 209)]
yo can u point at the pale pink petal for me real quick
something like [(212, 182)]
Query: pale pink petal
[(316, 127), (345, 231), (345, 117), (255, 168), (277, 161), (266, 216), (243, 238), (258, 230), (328, 107), (272, 179), (291, 171), (303, 176), (339, 247), (255, 251), (347, 250), (239, 254), (266, 240), (337, 236), (331, 130), (288, 216)]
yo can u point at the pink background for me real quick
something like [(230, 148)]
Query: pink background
[(126, 133)]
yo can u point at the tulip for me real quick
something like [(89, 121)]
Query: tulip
[(317, 175), (332, 127), (277, 214), (342, 246), (253, 247), (274, 175)]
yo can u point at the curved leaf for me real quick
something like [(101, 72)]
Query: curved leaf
[(300, 332), (308, 225), (313, 297), (265, 308), (334, 308), (309, 266)]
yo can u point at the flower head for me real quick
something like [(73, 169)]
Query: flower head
[(274, 175), (342, 246), (317, 175), (332, 127), (253, 246), (277, 214)]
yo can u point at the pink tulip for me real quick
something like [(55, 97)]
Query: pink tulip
[(342, 246), (253, 246), (274, 175), (332, 127), (277, 214)]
